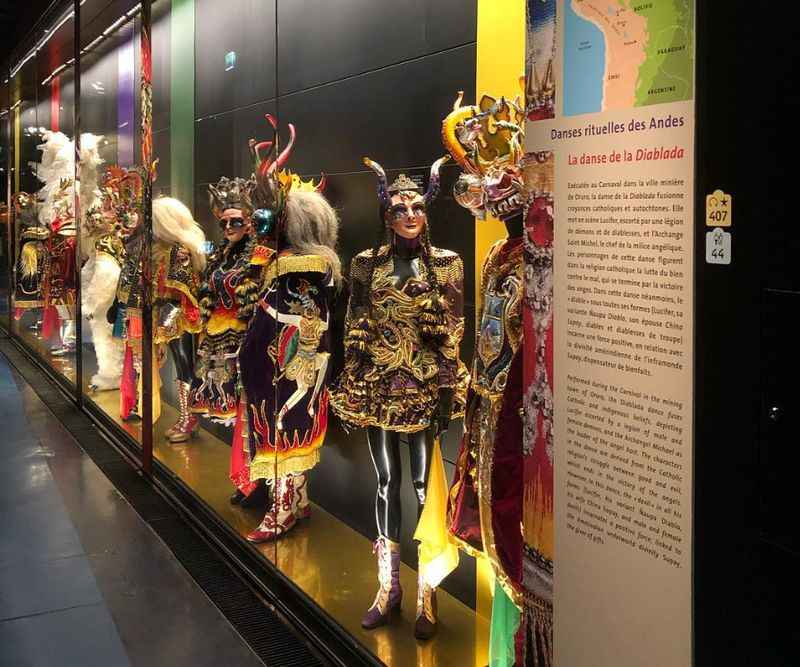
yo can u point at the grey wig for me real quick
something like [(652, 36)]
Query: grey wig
[(312, 228)]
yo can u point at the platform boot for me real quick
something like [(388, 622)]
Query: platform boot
[(390, 595), (427, 611), (187, 425), (303, 509), (283, 517)]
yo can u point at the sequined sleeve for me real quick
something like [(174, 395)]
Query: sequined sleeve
[(358, 302), (450, 273), (358, 327)]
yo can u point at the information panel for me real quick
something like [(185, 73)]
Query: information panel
[(610, 99)]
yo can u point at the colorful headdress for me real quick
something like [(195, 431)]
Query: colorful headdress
[(122, 197), (231, 193), (272, 182), (484, 139)]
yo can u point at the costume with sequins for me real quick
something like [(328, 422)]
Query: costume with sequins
[(395, 385)]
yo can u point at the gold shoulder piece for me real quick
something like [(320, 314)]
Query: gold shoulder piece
[(301, 264)]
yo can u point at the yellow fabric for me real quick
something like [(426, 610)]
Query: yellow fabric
[(270, 464), (220, 322), (500, 60), (286, 264), (438, 556)]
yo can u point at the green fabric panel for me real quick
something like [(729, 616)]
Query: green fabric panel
[(505, 621), (182, 23)]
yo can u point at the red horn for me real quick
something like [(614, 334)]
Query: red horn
[(284, 156)]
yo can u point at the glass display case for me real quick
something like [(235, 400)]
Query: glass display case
[(113, 213), (43, 195), (274, 283)]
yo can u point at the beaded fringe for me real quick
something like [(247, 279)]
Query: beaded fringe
[(538, 644)]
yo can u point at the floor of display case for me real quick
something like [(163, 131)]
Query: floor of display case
[(329, 561), (62, 365)]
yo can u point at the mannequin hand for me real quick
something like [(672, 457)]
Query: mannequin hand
[(443, 412)]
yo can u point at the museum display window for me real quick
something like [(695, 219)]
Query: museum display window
[(42, 194), (5, 221), (258, 440), (112, 210), (280, 275)]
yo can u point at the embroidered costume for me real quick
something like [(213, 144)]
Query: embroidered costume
[(227, 298), (31, 255), (56, 212), (102, 253), (395, 383), (489, 499), (402, 374), (285, 354), (175, 264)]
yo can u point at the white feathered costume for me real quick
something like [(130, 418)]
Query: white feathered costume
[(100, 271)]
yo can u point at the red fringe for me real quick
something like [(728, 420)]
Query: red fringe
[(240, 466), (127, 387), (50, 323)]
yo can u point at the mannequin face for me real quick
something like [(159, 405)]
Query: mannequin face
[(235, 225), (407, 215)]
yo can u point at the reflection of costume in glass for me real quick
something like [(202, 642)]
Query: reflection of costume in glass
[(402, 374)]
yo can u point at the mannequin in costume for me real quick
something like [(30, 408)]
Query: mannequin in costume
[(102, 253), (538, 444), (177, 261), (56, 212), (402, 371), (125, 188), (487, 497), (285, 389), (285, 353), (32, 235), (228, 295)]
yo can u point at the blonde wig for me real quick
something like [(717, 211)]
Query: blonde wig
[(173, 223)]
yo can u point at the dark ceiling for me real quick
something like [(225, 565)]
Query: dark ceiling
[(16, 19)]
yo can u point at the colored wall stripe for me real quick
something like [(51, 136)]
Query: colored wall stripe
[(500, 64), (55, 102), (182, 34)]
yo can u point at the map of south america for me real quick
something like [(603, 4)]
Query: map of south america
[(620, 54)]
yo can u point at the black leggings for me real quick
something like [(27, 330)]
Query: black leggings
[(384, 446), (182, 350)]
